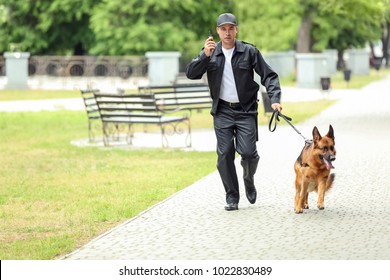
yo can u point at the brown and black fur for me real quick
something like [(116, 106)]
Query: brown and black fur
[(312, 170)]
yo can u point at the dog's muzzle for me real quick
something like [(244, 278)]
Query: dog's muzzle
[(328, 161)]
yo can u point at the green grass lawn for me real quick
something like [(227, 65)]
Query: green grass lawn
[(9, 94), (54, 196)]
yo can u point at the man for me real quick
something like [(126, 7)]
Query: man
[(229, 65)]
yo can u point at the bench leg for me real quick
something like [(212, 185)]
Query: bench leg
[(171, 129), (116, 134), (164, 139), (106, 134), (94, 126), (91, 135), (189, 135), (130, 134)]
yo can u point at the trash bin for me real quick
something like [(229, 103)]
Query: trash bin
[(377, 63), (347, 75), (325, 83)]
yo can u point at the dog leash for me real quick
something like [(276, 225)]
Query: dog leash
[(275, 115)]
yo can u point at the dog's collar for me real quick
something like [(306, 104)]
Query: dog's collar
[(308, 142)]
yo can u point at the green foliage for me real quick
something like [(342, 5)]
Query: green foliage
[(266, 24), (45, 27), (153, 25), (122, 27), (347, 24), (339, 24)]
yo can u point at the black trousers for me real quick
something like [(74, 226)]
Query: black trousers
[(236, 131)]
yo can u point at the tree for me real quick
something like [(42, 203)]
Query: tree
[(135, 27), (107, 27), (338, 24), (386, 32), (46, 27), (309, 10), (266, 24), (122, 27), (355, 23)]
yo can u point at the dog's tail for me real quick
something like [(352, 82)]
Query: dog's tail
[(329, 182)]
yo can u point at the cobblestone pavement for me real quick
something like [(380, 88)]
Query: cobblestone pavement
[(193, 225)]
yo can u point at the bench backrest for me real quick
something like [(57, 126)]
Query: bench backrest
[(137, 108), (90, 103), (180, 96)]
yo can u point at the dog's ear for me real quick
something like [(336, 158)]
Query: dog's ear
[(330, 132), (316, 134)]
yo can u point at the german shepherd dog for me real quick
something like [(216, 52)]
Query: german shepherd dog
[(312, 170)]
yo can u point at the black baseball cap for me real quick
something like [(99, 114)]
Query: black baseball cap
[(226, 18)]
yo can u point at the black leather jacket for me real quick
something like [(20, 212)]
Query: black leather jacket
[(245, 59)]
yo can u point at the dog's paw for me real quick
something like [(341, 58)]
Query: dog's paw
[(306, 206), (298, 211), (321, 207)]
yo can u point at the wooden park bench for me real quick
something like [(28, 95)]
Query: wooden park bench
[(120, 112), (191, 96)]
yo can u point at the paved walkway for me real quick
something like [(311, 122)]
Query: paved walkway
[(193, 225)]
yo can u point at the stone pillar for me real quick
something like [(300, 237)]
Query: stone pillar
[(311, 67), (331, 58), (282, 62), (359, 61), (163, 67), (16, 69)]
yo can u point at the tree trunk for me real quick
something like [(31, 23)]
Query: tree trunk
[(386, 43), (304, 35), (340, 60), (78, 49)]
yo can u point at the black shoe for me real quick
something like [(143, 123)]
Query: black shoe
[(231, 207), (251, 194), (249, 168)]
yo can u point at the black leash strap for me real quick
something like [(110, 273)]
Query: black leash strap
[(275, 118)]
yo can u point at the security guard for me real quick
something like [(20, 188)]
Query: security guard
[(230, 66)]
